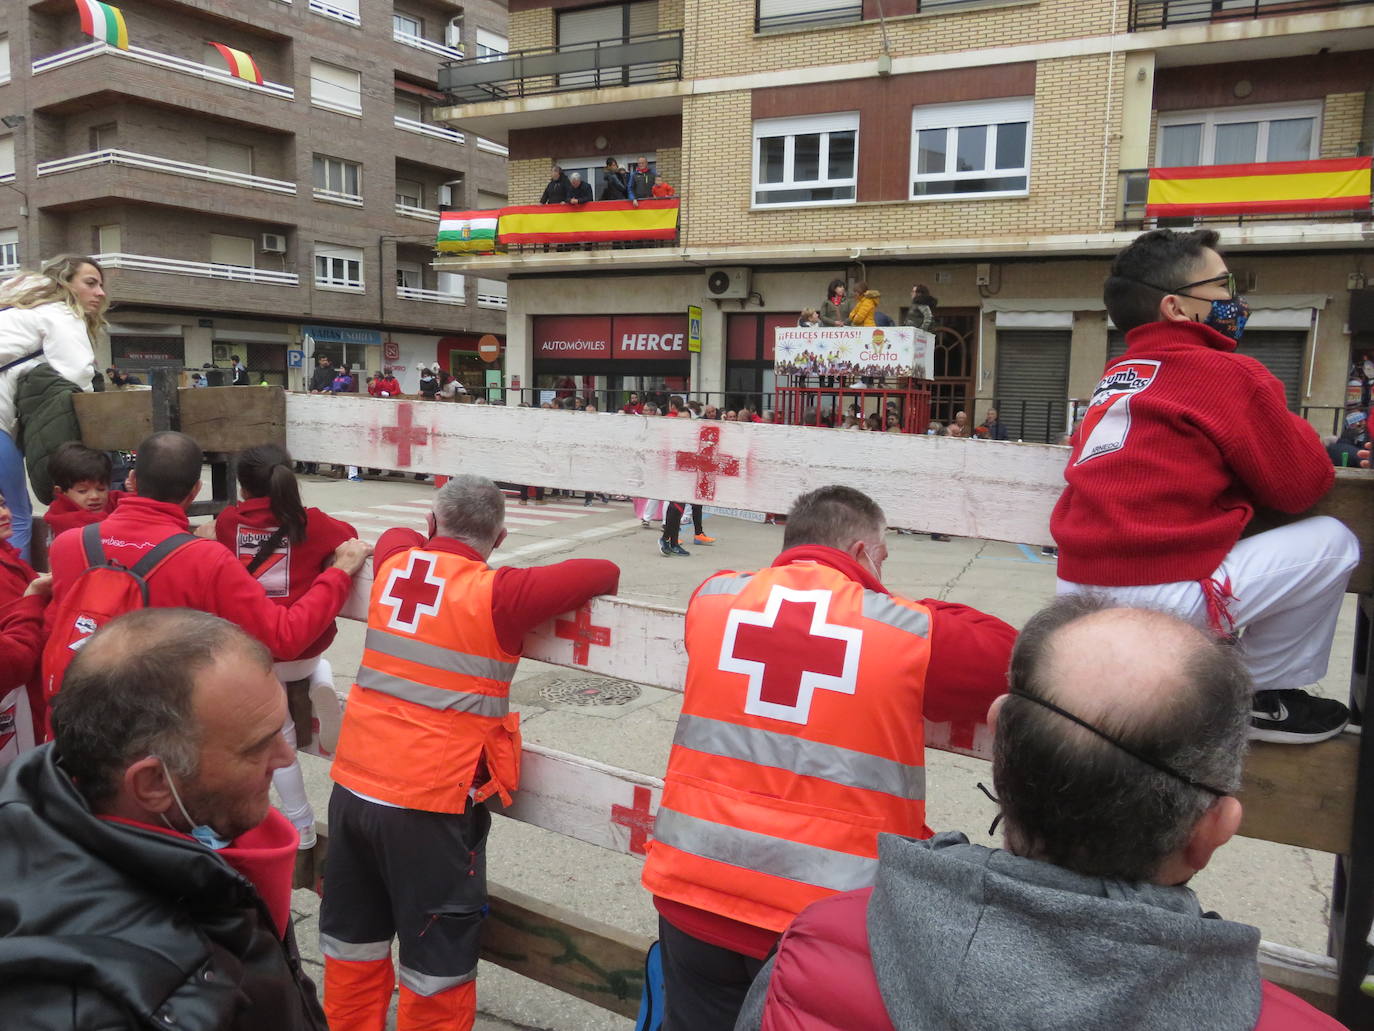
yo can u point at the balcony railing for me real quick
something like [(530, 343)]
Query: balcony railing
[(438, 132), (338, 197), (1163, 14), (1136, 213), (176, 64), (198, 269), (427, 45), (412, 211), (414, 293), (487, 298), (6, 177), (492, 147), (631, 60), (334, 11), (130, 159)]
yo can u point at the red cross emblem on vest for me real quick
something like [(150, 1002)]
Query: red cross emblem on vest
[(789, 652), (412, 592)]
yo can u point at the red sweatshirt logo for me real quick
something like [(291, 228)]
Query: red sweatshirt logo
[(275, 572), (1108, 421)]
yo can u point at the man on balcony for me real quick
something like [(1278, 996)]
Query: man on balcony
[(556, 192), (578, 191), (1183, 440), (615, 188), (642, 180)]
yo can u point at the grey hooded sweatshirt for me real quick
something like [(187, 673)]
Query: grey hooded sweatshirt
[(968, 937)]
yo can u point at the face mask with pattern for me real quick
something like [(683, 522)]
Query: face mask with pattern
[(1229, 317)]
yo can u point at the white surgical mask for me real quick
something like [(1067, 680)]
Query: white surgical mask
[(202, 832)]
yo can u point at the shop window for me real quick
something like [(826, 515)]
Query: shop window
[(960, 151), (811, 160)]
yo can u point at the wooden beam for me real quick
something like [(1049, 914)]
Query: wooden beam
[(115, 420), (1305, 974), (234, 418), (1351, 500), (1301, 794)]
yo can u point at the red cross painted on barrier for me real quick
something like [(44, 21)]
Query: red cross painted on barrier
[(412, 592), (707, 462), (637, 818), (404, 434), (788, 651), (582, 634)]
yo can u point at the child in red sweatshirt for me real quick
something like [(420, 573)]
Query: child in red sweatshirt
[(286, 546), (81, 488)]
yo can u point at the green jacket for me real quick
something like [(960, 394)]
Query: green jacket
[(47, 420)]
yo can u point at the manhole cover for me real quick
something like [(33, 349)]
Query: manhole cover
[(589, 691)]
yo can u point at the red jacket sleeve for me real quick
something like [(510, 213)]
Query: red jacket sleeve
[(1275, 453), (398, 538), (524, 598), (970, 653), (21, 641), (286, 630)]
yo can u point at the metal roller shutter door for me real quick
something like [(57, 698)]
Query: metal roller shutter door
[(1033, 383), (1278, 350)]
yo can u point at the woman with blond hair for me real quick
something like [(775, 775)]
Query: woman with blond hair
[(50, 317)]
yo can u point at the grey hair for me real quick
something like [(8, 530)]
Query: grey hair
[(1075, 800), (129, 694), (834, 517), (471, 509)]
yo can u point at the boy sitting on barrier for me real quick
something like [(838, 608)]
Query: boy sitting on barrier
[(1183, 440), (1118, 754)]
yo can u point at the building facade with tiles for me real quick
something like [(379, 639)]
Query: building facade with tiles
[(272, 220), (996, 150)]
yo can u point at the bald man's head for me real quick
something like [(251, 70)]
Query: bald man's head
[(168, 466), (1158, 687)]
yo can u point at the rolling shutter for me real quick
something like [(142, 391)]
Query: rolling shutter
[(1279, 351), (1033, 383)]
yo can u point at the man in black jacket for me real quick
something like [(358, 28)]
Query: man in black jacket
[(578, 191), (322, 379), (556, 192), (146, 881), (614, 188)]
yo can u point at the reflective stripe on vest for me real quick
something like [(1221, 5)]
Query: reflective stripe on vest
[(450, 661), (807, 864), (882, 609), (439, 698), (725, 584), (806, 758)]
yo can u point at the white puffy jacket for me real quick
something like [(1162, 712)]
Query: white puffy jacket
[(55, 330)]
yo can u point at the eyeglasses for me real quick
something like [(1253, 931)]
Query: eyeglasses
[(1160, 766), (1226, 279)]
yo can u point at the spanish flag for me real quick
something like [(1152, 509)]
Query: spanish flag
[(105, 22), (1276, 187), (589, 223), (240, 62), (467, 232)]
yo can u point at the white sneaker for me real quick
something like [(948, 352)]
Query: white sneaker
[(328, 708), (308, 838)]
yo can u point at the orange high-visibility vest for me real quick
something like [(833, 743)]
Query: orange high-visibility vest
[(432, 696), (801, 738)]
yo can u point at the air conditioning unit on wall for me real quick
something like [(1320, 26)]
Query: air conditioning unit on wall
[(726, 283), (273, 243)]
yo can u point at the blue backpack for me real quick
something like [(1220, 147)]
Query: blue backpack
[(651, 1002)]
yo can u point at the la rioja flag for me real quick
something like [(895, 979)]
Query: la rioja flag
[(105, 22)]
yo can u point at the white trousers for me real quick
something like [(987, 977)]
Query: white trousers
[(289, 781), (1288, 585)]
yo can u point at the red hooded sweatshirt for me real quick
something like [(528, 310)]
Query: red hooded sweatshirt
[(203, 575), (292, 568), (21, 632), (64, 514)]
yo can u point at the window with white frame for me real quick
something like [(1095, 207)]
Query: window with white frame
[(230, 156), (9, 249), (407, 25), (409, 193), (4, 58), (491, 43), (806, 160), (336, 88), (109, 240), (6, 157), (338, 267), (980, 149), (1239, 135), (409, 275), (231, 250), (338, 180), (801, 14)]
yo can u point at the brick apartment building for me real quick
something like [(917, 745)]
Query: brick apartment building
[(996, 150), (271, 221)]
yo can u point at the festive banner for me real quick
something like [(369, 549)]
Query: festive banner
[(103, 21), (1276, 187), (589, 223), (240, 62), (852, 351), (467, 232)]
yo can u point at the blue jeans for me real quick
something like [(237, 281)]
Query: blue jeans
[(14, 485)]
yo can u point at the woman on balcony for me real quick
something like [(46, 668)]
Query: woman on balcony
[(48, 318)]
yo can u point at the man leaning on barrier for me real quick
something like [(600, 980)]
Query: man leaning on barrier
[(1118, 752), (801, 737)]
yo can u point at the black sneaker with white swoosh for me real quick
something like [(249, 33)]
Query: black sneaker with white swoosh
[(1294, 717)]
